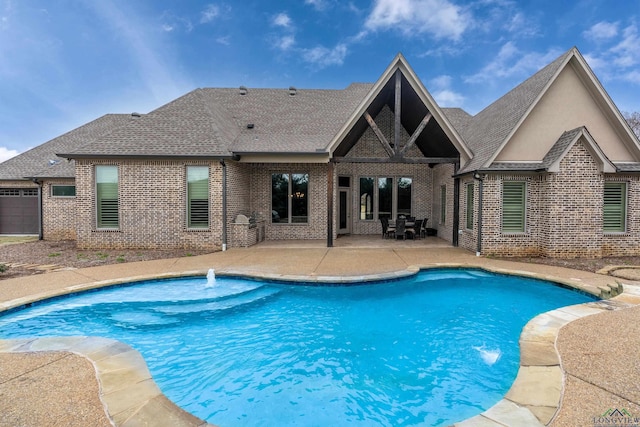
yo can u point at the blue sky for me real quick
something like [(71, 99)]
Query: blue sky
[(66, 62)]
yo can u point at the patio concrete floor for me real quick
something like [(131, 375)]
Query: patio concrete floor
[(578, 363)]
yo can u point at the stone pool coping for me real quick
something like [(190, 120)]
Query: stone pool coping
[(131, 397)]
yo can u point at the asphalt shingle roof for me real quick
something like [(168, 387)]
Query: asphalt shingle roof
[(35, 162), (221, 122), (214, 122), (490, 127), (183, 127), (552, 155), (561, 146)]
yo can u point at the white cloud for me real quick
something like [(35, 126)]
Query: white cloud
[(521, 25), (633, 77), (511, 62), (440, 82), (440, 18), (444, 95), (171, 22), (621, 59), (595, 62), (323, 57), (282, 20), (627, 51), (318, 4), (601, 31), (209, 13), (285, 42), (448, 98), (6, 154)]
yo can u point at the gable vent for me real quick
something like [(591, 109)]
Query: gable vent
[(243, 90)]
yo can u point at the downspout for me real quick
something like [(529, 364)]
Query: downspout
[(480, 179), (456, 207), (224, 205), (40, 225), (330, 173)]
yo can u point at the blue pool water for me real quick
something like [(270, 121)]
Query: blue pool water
[(431, 349)]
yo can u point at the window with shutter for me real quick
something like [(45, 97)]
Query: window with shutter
[(615, 207), (107, 204), (513, 206), (469, 222), (197, 196)]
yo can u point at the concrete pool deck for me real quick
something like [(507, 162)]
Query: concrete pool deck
[(578, 363)]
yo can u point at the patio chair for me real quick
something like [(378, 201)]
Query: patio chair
[(415, 230), (391, 228), (400, 228), (385, 226), (423, 229)]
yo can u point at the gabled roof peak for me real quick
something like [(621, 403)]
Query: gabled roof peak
[(568, 139), (385, 82)]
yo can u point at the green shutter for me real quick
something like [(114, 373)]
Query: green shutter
[(198, 196), (513, 206), (107, 196), (615, 203), (469, 206)]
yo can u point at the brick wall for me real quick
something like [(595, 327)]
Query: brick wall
[(370, 146), (152, 206), (564, 216), (316, 228), (59, 221), (442, 175), (628, 243), (468, 237), (421, 189)]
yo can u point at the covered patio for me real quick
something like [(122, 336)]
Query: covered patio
[(395, 157)]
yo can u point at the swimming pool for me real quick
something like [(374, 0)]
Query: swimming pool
[(431, 349)]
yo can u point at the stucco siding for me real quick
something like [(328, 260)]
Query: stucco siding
[(566, 105)]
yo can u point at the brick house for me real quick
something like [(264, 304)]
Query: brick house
[(551, 168)]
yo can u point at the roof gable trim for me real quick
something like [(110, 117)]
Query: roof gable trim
[(531, 107), (400, 64), (583, 69), (604, 164)]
